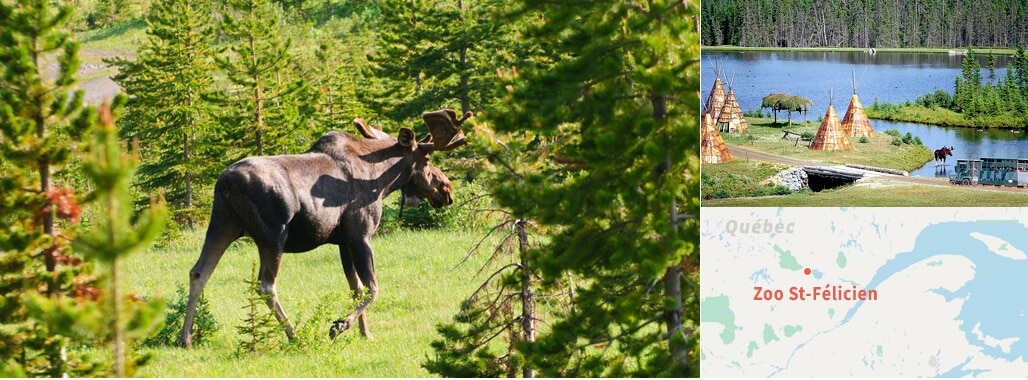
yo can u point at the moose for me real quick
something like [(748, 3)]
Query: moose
[(330, 194), (940, 155)]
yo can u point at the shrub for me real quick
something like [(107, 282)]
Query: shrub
[(311, 334), (204, 324), (257, 329), (863, 140), (893, 132), (769, 189), (471, 210), (897, 141), (807, 135)]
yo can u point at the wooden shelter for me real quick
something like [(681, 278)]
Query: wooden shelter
[(713, 149), (785, 102), (855, 122), (731, 118), (831, 136)]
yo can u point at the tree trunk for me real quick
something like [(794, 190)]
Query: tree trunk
[(258, 111), (673, 290), (119, 346), (673, 316), (465, 101), (527, 301), (49, 258), (189, 184)]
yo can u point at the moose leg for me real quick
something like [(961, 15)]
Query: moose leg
[(356, 287), (219, 235), (363, 260), (270, 261)]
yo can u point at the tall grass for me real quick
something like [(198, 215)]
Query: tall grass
[(419, 288), (740, 178)]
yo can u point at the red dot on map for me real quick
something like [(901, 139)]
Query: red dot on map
[(806, 271)]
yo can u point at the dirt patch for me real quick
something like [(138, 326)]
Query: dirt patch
[(98, 89)]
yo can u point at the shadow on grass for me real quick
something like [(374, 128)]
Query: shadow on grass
[(113, 31)]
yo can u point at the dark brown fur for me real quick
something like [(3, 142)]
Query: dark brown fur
[(331, 194)]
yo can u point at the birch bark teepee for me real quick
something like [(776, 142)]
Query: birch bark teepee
[(831, 136), (731, 118), (716, 99), (713, 149), (855, 122)]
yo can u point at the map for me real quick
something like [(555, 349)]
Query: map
[(829, 292)]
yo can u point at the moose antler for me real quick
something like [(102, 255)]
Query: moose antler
[(369, 132), (443, 127)]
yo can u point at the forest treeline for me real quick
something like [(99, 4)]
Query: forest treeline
[(976, 101), (864, 23)]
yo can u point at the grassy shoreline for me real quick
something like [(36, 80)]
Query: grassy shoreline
[(977, 50), (916, 113)]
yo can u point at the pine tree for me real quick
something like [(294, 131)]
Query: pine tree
[(36, 112), (257, 63), (1021, 69), (335, 84), (970, 97), (440, 53), (46, 305), (114, 237), (167, 112), (613, 125), (107, 12), (503, 309), (259, 326)]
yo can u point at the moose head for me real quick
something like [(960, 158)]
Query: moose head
[(427, 181)]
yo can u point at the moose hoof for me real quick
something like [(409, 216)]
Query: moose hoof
[(338, 327)]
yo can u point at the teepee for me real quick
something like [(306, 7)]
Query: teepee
[(855, 123), (831, 136), (731, 118), (716, 98), (713, 149)]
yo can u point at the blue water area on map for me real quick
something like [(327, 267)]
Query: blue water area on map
[(993, 299), (817, 274)]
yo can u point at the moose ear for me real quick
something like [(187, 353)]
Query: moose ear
[(406, 136)]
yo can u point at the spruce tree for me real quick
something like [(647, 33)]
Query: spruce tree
[(968, 94), (335, 83), (259, 326), (600, 149), (47, 294), (36, 108), (114, 237), (440, 53), (167, 112), (257, 62)]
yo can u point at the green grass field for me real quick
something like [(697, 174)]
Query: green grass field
[(765, 136), (420, 287), (883, 196)]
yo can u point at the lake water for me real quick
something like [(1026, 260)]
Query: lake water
[(888, 77)]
